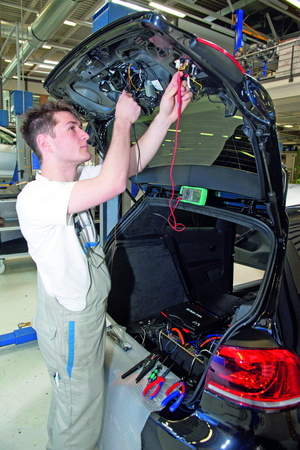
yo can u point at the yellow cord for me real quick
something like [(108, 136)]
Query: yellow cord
[(199, 84), (131, 80)]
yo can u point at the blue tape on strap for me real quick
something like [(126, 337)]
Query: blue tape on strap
[(71, 347), (90, 244)]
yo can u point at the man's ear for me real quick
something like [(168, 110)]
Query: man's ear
[(43, 143)]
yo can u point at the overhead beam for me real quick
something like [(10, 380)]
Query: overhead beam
[(227, 10), (272, 27), (278, 8), (203, 11), (35, 11)]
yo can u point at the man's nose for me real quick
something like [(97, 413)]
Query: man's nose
[(84, 135)]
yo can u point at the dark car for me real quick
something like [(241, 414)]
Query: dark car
[(235, 345)]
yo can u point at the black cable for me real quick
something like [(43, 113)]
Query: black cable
[(138, 161), (130, 195), (212, 100)]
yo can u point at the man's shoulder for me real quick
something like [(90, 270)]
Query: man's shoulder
[(87, 172)]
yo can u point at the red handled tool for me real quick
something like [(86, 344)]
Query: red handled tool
[(159, 382), (179, 95)]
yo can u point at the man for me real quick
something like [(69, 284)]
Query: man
[(73, 282)]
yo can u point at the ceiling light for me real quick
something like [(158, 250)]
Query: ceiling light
[(129, 5), (7, 60), (287, 126), (166, 9), (40, 71), (28, 64), (206, 134), (294, 2), (46, 46), (237, 137), (71, 24), (45, 66), (47, 61)]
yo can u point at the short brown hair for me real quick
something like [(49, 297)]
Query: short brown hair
[(41, 120)]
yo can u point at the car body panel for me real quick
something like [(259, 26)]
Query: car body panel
[(84, 78)]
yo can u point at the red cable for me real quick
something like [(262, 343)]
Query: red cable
[(179, 334), (176, 225)]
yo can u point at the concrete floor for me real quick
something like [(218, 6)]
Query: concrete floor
[(24, 383)]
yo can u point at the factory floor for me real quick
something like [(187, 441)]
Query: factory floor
[(24, 381), (25, 391)]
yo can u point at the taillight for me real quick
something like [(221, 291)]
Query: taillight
[(261, 378)]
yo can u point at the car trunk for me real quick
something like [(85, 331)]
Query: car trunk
[(186, 279)]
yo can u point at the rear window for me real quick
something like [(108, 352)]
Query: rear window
[(205, 137)]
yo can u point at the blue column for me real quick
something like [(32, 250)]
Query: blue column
[(238, 28)]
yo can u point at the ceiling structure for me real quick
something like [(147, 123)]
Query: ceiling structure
[(266, 24)]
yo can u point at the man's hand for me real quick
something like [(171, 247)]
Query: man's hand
[(168, 105), (127, 109)]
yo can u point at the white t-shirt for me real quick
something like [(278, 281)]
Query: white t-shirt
[(52, 242)]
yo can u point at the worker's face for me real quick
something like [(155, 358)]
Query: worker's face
[(70, 141)]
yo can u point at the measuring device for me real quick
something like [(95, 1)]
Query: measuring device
[(194, 195)]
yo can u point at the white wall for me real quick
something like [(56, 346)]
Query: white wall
[(35, 88)]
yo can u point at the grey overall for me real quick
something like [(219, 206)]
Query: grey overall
[(73, 346)]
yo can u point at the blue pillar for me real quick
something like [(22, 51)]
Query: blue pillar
[(238, 29)]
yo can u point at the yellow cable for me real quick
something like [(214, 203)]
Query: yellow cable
[(131, 80)]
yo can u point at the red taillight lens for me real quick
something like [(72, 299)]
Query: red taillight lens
[(261, 378)]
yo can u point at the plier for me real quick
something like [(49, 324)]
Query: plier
[(179, 394), (159, 382), (147, 363)]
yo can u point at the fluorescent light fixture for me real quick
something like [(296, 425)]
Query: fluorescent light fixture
[(40, 71), (287, 126), (45, 66), (46, 46), (28, 64), (47, 61), (206, 134), (237, 117), (178, 131), (7, 60), (294, 2), (166, 9), (224, 135), (15, 77), (237, 137), (70, 23), (129, 5)]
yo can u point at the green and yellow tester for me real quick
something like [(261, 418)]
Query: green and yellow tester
[(194, 195)]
